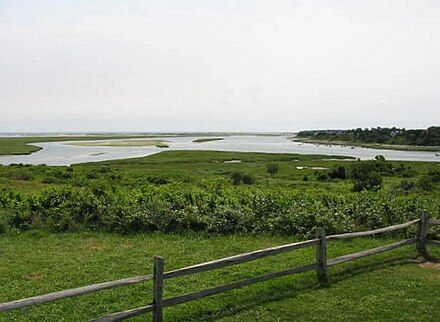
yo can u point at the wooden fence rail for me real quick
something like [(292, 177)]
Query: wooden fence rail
[(373, 232), (50, 297), (238, 259), (159, 275), (370, 252)]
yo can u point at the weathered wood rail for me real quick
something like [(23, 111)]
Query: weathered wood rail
[(159, 275)]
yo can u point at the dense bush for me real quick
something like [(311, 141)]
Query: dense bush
[(434, 175), (321, 175), (215, 206), (3, 222), (405, 185), (405, 171), (338, 172), (57, 176), (365, 176), (157, 180), (21, 175), (239, 177)]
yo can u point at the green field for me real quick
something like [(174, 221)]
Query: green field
[(64, 227), (387, 287)]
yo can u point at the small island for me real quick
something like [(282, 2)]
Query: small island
[(207, 140), (121, 143)]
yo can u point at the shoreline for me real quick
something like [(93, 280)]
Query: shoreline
[(370, 145)]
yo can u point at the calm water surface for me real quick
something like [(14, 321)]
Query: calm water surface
[(58, 153)]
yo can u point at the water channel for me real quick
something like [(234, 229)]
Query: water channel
[(61, 153)]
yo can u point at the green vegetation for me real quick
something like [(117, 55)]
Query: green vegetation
[(207, 140), (177, 191), (390, 286), (23, 145), (239, 177), (272, 169), (64, 227), (422, 139), (365, 176)]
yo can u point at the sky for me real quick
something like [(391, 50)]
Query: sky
[(218, 65)]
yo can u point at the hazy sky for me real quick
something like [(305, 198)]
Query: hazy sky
[(218, 65)]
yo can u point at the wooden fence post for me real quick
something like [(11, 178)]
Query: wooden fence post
[(422, 231), (158, 288), (321, 255)]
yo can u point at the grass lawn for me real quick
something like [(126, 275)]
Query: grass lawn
[(386, 287)]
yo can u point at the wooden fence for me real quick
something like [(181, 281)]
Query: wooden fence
[(158, 276)]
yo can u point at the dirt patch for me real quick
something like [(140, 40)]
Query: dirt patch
[(34, 276), (432, 265), (93, 247)]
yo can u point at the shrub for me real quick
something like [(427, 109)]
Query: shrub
[(405, 172), (425, 183), (383, 167), (3, 222), (338, 173), (248, 179), (57, 176), (236, 178), (23, 175), (405, 185), (434, 174), (92, 175), (216, 206), (365, 176), (321, 175), (157, 180), (104, 170), (272, 169)]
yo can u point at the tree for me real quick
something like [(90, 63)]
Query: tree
[(272, 169)]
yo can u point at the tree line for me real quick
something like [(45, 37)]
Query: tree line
[(401, 136)]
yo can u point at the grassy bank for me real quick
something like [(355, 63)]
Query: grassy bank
[(389, 287), (379, 146), (23, 145)]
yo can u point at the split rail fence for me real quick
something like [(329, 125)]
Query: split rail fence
[(159, 275)]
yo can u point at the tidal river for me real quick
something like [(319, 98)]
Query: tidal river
[(61, 153)]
